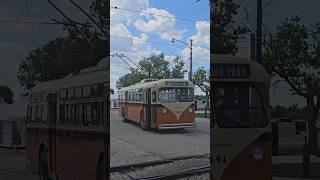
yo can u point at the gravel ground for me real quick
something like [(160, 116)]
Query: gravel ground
[(165, 169)]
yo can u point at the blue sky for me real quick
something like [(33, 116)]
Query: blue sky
[(149, 31)]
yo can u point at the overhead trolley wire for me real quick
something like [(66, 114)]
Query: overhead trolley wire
[(160, 43), (187, 7), (171, 17)]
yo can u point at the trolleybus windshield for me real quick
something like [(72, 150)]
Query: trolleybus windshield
[(239, 106), (174, 94)]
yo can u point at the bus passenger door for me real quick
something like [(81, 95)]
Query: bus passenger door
[(52, 117), (148, 109)]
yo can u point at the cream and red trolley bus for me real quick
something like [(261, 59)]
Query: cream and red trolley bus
[(241, 138), (67, 126), (158, 104)]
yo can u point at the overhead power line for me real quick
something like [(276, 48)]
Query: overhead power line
[(92, 19), (116, 55), (9, 21), (155, 42), (171, 17), (65, 16), (200, 10), (187, 7)]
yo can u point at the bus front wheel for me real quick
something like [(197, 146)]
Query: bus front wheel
[(100, 172), (43, 167)]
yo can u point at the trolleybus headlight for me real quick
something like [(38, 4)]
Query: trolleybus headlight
[(190, 109), (257, 154), (164, 110)]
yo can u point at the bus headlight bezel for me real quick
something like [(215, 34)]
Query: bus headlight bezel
[(164, 110), (257, 154)]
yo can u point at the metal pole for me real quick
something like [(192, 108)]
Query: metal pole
[(253, 47), (306, 158), (259, 31), (190, 75)]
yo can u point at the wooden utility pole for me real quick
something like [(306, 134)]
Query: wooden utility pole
[(253, 46), (190, 75), (259, 31)]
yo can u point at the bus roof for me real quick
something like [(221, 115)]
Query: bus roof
[(160, 83), (90, 75), (258, 73)]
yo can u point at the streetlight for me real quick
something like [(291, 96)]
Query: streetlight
[(190, 47)]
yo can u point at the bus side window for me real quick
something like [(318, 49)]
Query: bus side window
[(96, 114), (44, 113), (33, 112), (30, 113), (70, 114), (38, 116), (95, 90), (87, 114), (86, 91), (154, 96), (77, 114), (102, 114), (62, 115)]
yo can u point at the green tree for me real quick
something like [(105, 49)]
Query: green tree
[(111, 91), (178, 70), (6, 94), (225, 32), (293, 53), (201, 78), (84, 46), (156, 66)]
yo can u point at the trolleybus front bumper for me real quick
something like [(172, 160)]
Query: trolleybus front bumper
[(177, 126)]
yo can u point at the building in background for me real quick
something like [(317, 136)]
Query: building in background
[(12, 123)]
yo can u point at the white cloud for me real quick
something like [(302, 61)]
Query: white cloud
[(200, 56), (203, 34), (126, 17), (201, 48), (156, 21)]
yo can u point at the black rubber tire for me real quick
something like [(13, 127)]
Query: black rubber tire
[(100, 171), (43, 167)]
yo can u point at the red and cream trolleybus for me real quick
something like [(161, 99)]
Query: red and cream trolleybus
[(67, 126), (158, 104), (241, 136)]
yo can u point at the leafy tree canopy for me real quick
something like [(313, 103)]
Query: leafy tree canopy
[(201, 79), (6, 94), (84, 46), (293, 53), (156, 66), (225, 31)]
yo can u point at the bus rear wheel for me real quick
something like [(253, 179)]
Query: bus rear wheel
[(43, 167), (100, 171)]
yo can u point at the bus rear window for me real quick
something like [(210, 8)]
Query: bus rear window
[(176, 94)]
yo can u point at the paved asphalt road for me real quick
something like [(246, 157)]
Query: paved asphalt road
[(13, 167), (130, 144)]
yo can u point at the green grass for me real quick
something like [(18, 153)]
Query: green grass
[(294, 170), (201, 115)]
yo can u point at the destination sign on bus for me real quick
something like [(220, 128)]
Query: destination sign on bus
[(172, 83), (220, 70)]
